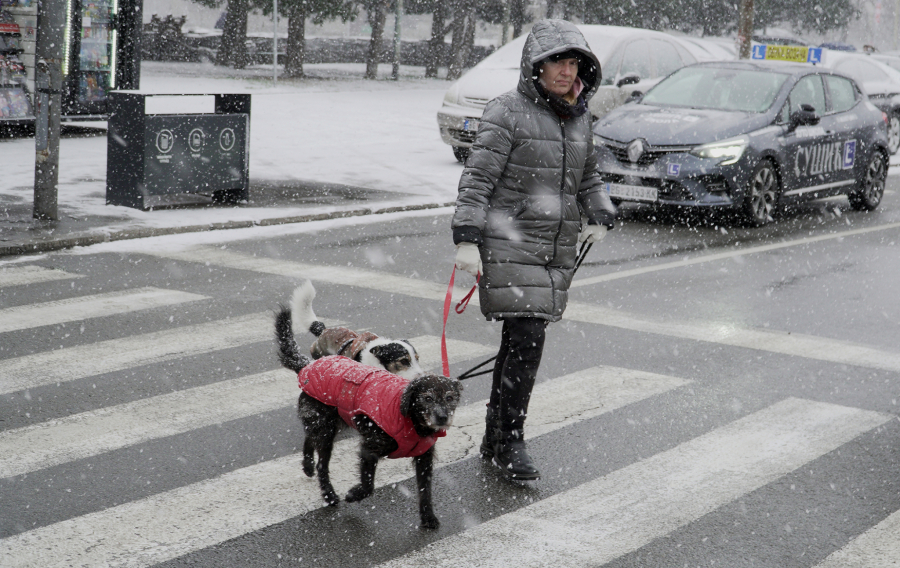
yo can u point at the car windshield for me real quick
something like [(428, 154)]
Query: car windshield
[(510, 55), (719, 89)]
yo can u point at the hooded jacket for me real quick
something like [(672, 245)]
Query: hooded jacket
[(530, 176), (354, 389)]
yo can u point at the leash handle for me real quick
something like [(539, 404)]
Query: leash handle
[(460, 308), (464, 303)]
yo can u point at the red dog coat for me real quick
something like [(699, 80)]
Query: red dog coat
[(354, 388)]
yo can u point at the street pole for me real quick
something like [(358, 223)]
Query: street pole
[(504, 36), (395, 68), (896, 16), (275, 46), (52, 16), (745, 29)]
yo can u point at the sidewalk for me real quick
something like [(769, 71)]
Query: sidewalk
[(332, 145), (269, 204)]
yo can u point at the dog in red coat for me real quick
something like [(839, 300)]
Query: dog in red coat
[(395, 417)]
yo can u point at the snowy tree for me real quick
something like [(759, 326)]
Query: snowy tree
[(298, 12), (233, 45)]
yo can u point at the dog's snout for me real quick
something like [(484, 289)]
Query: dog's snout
[(441, 417)]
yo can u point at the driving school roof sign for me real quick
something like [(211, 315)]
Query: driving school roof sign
[(794, 53)]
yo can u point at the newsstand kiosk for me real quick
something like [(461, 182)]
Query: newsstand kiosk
[(102, 53)]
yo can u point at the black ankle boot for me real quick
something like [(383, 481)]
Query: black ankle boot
[(491, 434), (512, 459)]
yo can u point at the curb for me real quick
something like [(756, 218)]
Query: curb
[(93, 238)]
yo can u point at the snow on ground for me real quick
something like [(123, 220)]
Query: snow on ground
[(333, 127)]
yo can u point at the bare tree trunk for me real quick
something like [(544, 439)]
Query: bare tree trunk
[(551, 7), (295, 54), (745, 29), (436, 43), (463, 38), (233, 48), (377, 17), (518, 17)]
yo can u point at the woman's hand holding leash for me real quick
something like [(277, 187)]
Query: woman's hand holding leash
[(468, 258), (591, 234)]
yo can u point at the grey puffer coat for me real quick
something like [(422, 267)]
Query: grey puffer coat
[(530, 176)]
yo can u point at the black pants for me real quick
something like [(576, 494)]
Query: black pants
[(521, 348)]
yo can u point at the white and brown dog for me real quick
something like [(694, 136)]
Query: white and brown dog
[(397, 356)]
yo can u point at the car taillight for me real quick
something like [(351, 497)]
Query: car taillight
[(884, 117)]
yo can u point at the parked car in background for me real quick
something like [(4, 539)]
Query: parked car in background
[(715, 48), (631, 60), (892, 61), (880, 82)]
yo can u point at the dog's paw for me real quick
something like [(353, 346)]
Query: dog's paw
[(331, 499), (309, 468), (430, 521), (358, 493)]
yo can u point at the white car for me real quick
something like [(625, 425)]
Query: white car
[(631, 60), (879, 81)]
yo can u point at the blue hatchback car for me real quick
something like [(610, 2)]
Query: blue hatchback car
[(747, 136)]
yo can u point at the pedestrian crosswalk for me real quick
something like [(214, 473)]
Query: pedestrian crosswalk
[(31, 274), (591, 523), (93, 306)]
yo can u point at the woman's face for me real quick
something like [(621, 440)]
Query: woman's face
[(557, 77)]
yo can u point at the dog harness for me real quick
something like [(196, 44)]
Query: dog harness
[(354, 389)]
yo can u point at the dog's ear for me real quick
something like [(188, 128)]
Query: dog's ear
[(408, 397)]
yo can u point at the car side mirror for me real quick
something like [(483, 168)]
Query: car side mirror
[(634, 97), (806, 116), (628, 79)]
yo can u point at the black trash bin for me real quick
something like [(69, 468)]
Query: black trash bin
[(151, 156)]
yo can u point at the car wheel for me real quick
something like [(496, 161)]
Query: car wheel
[(461, 154), (868, 194), (762, 194), (894, 134)]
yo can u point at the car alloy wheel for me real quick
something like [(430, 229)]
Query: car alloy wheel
[(868, 196), (894, 134), (762, 194)]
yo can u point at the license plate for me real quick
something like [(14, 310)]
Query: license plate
[(631, 192), (470, 125)]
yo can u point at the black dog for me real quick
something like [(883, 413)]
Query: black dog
[(394, 416)]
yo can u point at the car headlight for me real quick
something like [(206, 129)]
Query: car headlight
[(728, 151), (452, 94)]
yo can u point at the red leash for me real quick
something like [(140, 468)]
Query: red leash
[(460, 308)]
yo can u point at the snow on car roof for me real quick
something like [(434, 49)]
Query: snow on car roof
[(601, 40)]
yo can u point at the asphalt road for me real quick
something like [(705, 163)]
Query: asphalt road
[(715, 395)]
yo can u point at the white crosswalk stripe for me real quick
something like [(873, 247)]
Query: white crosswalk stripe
[(601, 520), (90, 433), (821, 348), (94, 306), (206, 513), (72, 363), (878, 547), (30, 274)]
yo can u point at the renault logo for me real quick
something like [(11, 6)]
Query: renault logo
[(635, 150)]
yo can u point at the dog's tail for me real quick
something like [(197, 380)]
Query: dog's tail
[(301, 306), (288, 350)]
